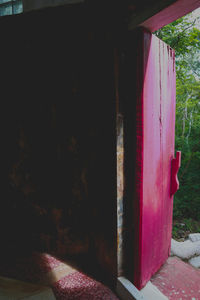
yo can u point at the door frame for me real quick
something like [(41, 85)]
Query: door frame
[(154, 17), (159, 19)]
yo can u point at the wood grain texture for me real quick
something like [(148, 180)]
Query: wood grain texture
[(154, 126), (170, 13), (155, 14), (158, 146)]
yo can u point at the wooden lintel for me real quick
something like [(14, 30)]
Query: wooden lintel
[(162, 13)]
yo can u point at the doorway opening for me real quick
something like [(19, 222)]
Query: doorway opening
[(183, 35), (151, 210)]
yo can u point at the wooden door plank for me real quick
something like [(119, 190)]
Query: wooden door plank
[(155, 150)]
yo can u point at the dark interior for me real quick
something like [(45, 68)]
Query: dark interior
[(58, 161)]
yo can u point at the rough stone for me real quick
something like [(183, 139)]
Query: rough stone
[(184, 250), (194, 237), (195, 261), (197, 247)]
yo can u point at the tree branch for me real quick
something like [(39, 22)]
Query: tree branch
[(181, 33)]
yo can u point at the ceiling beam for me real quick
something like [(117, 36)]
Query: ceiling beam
[(162, 13)]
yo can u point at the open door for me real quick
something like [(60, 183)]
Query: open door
[(150, 123), (155, 135)]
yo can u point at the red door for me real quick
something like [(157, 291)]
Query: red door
[(155, 130)]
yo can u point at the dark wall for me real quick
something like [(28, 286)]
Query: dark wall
[(58, 162)]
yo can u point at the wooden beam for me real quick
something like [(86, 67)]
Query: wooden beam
[(138, 17), (29, 5), (162, 13)]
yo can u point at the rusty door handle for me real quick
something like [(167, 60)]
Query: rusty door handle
[(176, 163)]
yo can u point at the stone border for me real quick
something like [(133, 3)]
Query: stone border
[(127, 291), (189, 250)]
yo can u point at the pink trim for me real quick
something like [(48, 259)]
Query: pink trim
[(170, 14)]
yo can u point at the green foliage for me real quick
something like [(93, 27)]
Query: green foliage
[(184, 37), (183, 227)]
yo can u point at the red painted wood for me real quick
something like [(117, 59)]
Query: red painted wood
[(155, 151), (176, 163), (171, 13)]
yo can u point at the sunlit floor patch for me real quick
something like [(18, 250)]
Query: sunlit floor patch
[(65, 280)]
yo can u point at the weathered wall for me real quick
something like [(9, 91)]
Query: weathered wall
[(59, 138)]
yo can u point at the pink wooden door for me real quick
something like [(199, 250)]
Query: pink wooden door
[(155, 130)]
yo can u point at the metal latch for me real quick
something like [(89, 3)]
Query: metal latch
[(176, 163)]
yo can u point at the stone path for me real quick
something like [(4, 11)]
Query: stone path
[(179, 277), (178, 280), (189, 250)]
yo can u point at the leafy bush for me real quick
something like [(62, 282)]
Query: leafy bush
[(183, 227)]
